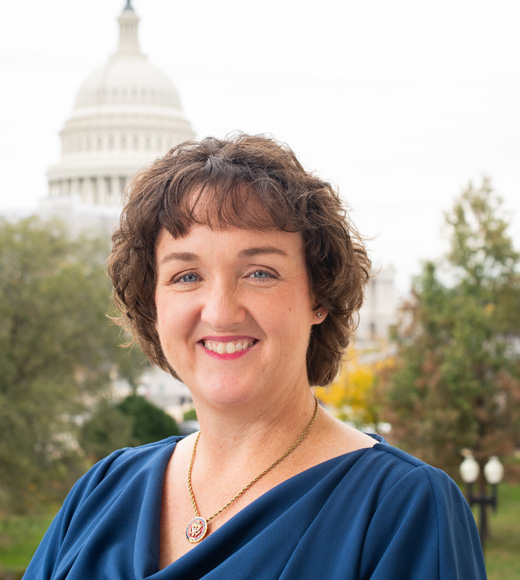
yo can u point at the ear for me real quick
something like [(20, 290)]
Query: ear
[(320, 314)]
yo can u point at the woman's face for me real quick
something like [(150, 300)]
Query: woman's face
[(234, 312)]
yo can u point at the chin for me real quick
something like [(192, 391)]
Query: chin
[(230, 391)]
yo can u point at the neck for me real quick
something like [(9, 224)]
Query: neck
[(242, 434)]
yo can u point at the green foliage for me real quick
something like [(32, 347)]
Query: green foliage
[(502, 561), (134, 421), (457, 378), (149, 422), (190, 415), (58, 352), (108, 429), (481, 253)]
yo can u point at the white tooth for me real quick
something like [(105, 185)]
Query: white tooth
[(221, 349), (230, 348), (238, 347)]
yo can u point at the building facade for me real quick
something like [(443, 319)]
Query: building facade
[(379, 311), (126, 114)]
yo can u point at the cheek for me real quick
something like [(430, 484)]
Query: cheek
[(291, 321), (165, 318), (176, 317), (160, 314)]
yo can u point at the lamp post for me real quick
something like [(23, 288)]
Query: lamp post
[(493, 472)]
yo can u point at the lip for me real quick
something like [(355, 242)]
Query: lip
[(228, 338), (223, 339)]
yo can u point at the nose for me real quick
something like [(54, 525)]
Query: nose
[(222, 308)]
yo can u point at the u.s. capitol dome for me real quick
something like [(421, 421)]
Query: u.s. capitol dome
[(125, 115)]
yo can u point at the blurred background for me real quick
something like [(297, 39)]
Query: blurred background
[(409, 108), (399, 103)]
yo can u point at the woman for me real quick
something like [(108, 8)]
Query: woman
[(239, 273)]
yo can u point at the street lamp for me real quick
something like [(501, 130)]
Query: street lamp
[(493, 472)]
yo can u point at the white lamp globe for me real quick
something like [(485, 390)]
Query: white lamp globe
[(469, 470), (494, 470)]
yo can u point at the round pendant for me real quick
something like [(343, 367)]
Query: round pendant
[(196, 530)]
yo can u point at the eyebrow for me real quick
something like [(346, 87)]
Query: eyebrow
[(247, 253), (179, 256), (251, 252)]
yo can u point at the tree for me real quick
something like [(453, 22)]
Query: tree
[(58, 351), (149, 422), (190, 415), (457, 378), (106, 430), (354, 394), (134, 421)]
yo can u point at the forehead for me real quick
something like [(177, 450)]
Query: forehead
[(204, 243)]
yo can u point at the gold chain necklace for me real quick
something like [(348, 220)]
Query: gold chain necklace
[(198, 527)]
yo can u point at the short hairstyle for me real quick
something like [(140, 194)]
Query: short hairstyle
[(223, 183)]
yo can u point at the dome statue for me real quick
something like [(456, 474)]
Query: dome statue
[(125, 115)]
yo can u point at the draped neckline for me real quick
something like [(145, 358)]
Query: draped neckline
[(148, 531)]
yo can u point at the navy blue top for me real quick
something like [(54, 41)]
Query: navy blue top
[(375, 513)]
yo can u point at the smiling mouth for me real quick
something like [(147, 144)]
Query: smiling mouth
[(230, 347)]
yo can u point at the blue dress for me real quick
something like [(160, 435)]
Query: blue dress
[(375, 514)]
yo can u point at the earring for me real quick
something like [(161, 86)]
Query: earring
[(319, 314)]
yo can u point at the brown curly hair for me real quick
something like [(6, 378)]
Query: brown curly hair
[(222, 183)]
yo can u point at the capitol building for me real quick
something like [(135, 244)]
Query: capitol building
[(126, 114)]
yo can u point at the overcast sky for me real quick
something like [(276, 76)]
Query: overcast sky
[(400, 103)]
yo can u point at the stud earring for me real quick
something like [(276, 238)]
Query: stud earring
[(319, 314)]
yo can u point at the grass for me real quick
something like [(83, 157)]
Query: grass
[(19, 537), (503, 546)]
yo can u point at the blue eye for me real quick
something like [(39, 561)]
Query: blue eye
[(187, 279), (261, 275)]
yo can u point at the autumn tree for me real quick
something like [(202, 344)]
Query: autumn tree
[(457, 378), (58, 352), (354, 395)]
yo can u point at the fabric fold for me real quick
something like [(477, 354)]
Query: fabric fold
[(375, 514)]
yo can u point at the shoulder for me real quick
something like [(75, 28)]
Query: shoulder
[(420, 506), (400, 487), (131, 457), (113, 489), (136, 457), (402, 473), (118, 470)]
